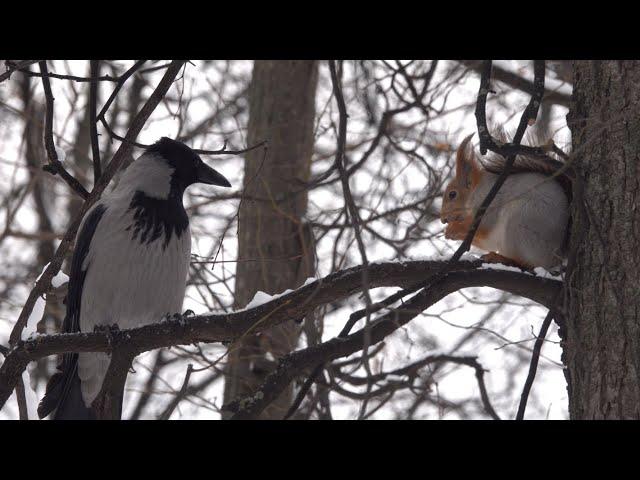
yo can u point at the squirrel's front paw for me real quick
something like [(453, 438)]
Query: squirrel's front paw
[(456, 231)]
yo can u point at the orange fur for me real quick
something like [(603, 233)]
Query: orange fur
[(459, 230), (468, 174), (480, 237), (493, 257)]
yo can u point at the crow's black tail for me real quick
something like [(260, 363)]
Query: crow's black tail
[(63, 394)]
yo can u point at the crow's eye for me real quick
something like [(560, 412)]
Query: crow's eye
[(452, 194)]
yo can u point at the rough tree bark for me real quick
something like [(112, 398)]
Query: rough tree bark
[(602, 343), (275, 251)]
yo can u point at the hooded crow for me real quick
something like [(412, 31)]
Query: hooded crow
[(129, 266)]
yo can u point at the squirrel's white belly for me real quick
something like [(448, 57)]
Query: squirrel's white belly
[(494, 241), (526, 232)]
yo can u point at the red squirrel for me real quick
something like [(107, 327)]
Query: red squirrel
[(527, 222)]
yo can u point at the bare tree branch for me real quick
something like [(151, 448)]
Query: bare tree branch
[(13, 67), (230, 327), (93, 101), (55, 166), (298, 362), (533, 367), (166, 414), (516, 81)]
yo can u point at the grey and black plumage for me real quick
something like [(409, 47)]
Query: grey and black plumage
[(129, 266)]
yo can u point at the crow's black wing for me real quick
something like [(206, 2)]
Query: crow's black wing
[(64, 386)]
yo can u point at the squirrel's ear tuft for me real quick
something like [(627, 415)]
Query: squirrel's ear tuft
[(467, 168)]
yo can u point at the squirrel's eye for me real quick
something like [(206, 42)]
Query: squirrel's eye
[(452, 194)]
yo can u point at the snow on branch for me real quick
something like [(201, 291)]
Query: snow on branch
[(185, 330)]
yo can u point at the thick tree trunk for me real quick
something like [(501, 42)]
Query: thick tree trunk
[(275, 251), (602, 342)]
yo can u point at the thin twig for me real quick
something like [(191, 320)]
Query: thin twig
[(55, 167), (13, 67), (222, 151), (179, 396), (74, 78), (353, 211), (123, 78), (93, 127), (533, 367)]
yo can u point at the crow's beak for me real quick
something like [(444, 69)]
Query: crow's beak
[(208, 175)]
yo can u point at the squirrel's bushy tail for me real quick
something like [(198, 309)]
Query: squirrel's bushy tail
[(550, 165)]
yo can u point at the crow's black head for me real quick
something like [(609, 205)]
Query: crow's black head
[(188, 166)]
